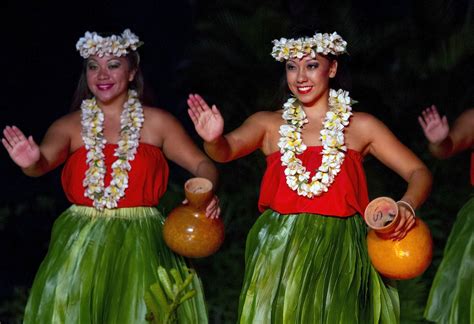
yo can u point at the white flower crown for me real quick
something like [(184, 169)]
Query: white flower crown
[(285, 49), (94, 44)]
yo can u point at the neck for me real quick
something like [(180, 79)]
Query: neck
[(317, 108), (114, 106)]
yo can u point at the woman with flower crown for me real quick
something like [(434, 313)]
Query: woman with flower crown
[(306, 258), (106, 248), (451, 295)]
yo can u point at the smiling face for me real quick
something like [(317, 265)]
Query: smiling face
[(108, 77), (308, 78)]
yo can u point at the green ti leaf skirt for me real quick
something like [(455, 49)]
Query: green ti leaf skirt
[(451, 298), (306, 268), (99, 265)]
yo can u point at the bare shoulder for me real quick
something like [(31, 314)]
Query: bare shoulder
[(157, 114), (467, 116), (365, 122), (363, 130), (158, 118), (67, 123), (265, 118), (158, 124)]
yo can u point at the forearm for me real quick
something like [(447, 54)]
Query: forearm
[(443, 149), (207, 169), (419, 187), (37, 169), (219, 150)]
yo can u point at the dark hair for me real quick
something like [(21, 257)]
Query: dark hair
[(138, 84)]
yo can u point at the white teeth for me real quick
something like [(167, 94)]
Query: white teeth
[(304, 88)]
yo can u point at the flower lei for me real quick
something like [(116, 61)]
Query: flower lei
[(284, 49), (92, 122), (115, 45), (332, 137)]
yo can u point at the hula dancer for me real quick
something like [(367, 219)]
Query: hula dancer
[(451, 296), (306, 256), (106, 248)]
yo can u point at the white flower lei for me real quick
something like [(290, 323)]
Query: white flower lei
[(332, 138), (115, 45), (92, 122), (283, 49)]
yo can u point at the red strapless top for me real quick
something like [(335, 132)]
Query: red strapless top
[(472, 168), (346, 196), (147, 180)]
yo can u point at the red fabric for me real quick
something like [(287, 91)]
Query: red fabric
[(346, 196), (147, 180), (472, 168)]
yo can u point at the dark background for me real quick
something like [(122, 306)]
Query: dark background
[(404, 56)]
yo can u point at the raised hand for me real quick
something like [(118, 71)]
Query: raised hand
[(23, 151), (436, 129), (208, 121)]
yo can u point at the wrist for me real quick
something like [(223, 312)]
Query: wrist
[(407, 205)]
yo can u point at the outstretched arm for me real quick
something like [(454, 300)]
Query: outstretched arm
[(35, 160), (391, 152), (443, 141), (179, 147), (209, 125)]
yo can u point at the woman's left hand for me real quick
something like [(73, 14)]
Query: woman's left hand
[(407, 222), (213, 210)]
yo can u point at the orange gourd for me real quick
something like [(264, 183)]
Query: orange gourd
[(403, 259), (187, 231)]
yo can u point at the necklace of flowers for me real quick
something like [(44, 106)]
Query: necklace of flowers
[(331, 136), (131, 121)]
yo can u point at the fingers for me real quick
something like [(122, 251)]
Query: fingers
[(193, 116), (197, 104), (407, 221), (430, 114), (422, 122), (213, 210), (32, 141), (7, 145), (444, 121), (13, 135)]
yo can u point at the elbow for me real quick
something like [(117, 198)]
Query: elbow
[(423, 177)]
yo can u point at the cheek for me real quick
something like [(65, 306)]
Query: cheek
[(290, 77), (89, 78)]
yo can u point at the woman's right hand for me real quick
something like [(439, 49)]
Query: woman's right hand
[(436, 129), (23, 151), (208, 121)]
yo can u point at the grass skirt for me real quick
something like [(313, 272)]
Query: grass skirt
[(307, 268), (451, 298), (99, 265)]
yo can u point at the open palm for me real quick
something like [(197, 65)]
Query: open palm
[(23, 151), (208, 121), (436, 129)]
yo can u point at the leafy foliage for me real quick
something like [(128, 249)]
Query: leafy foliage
[(164, 297)]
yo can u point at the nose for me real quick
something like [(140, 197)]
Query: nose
[(301, 77), (103, 74)]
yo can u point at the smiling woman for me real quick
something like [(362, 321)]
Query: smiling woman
[(306, 257), (106, 248)]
